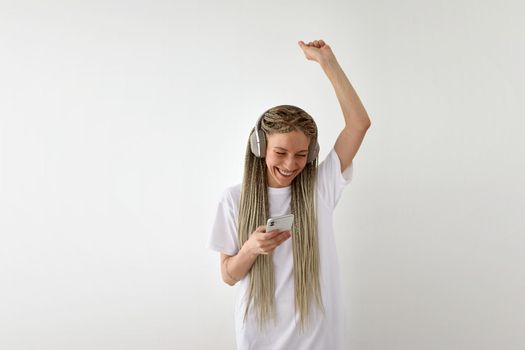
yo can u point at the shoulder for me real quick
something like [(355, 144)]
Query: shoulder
[(327, 165), (331, 179), (330, 157), (231, 195), (330, 167)]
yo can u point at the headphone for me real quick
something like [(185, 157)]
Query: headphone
[(258, 141)]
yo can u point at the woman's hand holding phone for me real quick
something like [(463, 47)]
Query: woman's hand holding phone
[(262, 242)]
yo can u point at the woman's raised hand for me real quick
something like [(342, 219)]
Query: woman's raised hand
[(317, 51), (262, 242)]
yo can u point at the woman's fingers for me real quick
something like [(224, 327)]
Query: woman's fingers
[(261, 228), (280, 238), (316, 43), (284, 237), (274, 235), (271, 235), (268, 243)]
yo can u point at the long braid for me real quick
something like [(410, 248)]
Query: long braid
[(254, 211)]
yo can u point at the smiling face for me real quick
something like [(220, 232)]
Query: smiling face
[(286, 156)]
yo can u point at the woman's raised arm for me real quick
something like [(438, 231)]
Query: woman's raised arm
[(356, 118)]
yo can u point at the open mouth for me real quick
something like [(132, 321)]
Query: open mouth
[(285, 174)]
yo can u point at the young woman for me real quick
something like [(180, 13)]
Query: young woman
[(289, 292)]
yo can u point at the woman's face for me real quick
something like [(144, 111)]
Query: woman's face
[(286, 156)]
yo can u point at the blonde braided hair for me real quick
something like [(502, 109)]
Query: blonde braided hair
[(254, 211)]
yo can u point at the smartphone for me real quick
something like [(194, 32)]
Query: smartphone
[(280, 223)]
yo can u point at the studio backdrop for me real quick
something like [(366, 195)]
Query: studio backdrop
[(121, 124)]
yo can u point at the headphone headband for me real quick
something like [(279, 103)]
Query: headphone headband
[(258, 139)]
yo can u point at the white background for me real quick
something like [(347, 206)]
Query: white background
[(121, 123)]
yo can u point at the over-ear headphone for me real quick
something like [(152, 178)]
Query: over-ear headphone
[(258, 141)]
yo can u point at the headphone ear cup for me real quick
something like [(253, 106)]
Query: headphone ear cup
[(313, 153), (253, 143)]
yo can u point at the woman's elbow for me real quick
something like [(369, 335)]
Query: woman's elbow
[(365, 126), (228, 280)]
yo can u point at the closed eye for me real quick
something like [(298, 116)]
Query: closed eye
[(282, 154)]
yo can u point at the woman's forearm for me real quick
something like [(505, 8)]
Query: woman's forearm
[(353, 110), (236, 267)]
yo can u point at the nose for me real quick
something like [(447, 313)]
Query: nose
[(290, 163)]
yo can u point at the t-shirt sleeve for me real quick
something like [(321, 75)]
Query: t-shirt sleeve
[(331, 180), (223, 236)]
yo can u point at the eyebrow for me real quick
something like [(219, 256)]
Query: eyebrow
[(284, 149)]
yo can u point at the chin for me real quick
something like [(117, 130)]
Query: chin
[(282, 182)]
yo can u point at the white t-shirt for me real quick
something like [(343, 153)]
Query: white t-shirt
[(324, 332)]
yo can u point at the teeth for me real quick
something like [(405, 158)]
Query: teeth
[(285, 173)]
